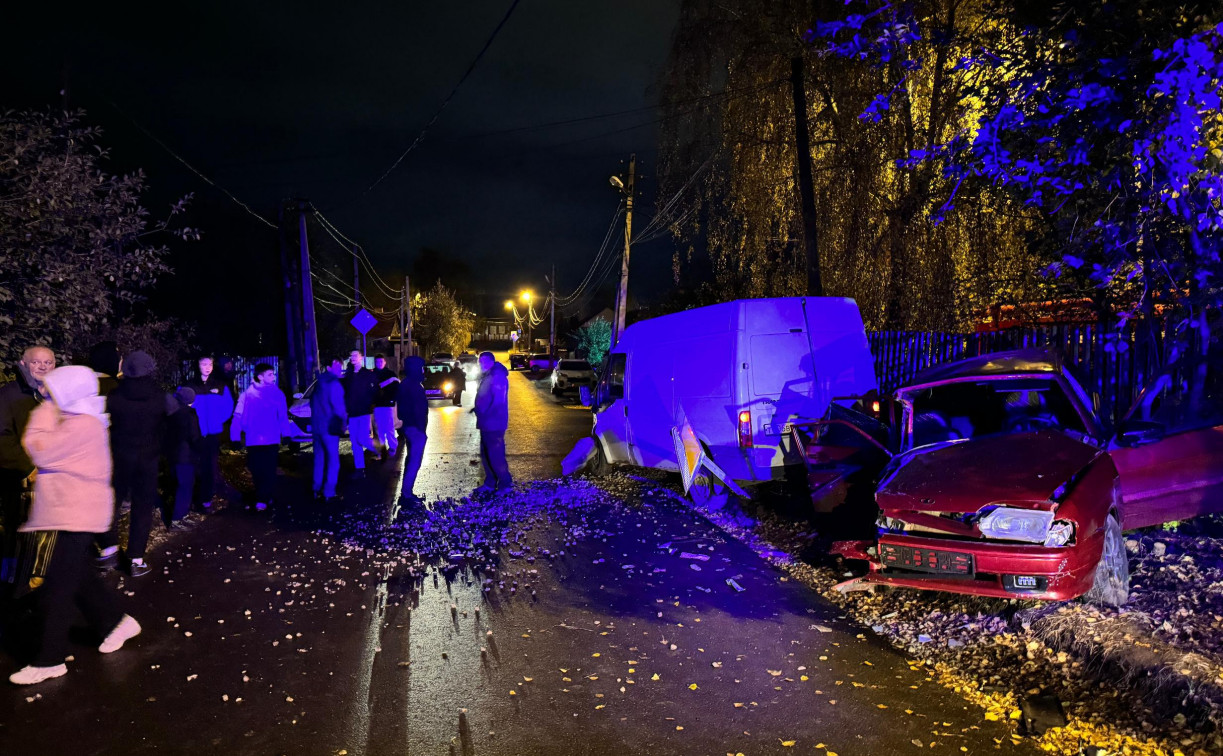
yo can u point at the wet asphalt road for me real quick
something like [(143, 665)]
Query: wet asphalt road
[(309, 632)]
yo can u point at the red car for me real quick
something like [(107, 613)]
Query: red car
[(1007, 484)]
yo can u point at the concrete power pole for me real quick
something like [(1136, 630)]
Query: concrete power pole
[(407, 298), (309, 327), (622, 293), (292, 316), (356, 294), (552, 300)]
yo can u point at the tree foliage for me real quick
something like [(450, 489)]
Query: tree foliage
[(440, 322), (77, 249), (594, 341), (1103, 118)]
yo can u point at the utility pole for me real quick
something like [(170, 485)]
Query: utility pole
[(806, 185), (622, 293), (407, 298), (356, 294), (290, 294), (552, 300), (309, 327), (403, 306)]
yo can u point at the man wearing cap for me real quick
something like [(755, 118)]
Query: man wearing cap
[(137, 411)]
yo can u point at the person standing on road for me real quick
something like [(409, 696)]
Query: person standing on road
[(18, 398), (214, 405), (360, 390), (263, 415), (137, 410), (492, 410), (327, 420), (183, 442), (67, 440), (384, 406), (413, 408)]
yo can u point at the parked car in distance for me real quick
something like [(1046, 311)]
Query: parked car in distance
[(443, 358), (518, 360), (470, 364), (1006, 483), (538, 363), (570, 374), (443, 381)]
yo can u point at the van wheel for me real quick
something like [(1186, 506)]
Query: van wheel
[(1111, 586), (599, 466), (707, 491)]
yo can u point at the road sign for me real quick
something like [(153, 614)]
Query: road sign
[(514, 336), (363, 321)]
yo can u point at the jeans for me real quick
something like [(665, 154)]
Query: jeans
[(492, 456), (326, 463), (134, 478), (184, 479), (209, 471), (360, 432), (415, 440), (261, 461), (72, 583), (384, 428)]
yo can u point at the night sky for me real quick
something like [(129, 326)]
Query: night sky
[(317, 100)]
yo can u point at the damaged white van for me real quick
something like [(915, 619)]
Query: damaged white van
[(738, 373)]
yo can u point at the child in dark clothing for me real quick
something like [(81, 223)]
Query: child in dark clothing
[(183, 441)]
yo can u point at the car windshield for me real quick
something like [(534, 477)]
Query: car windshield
[(975, 408), (573, 365), (438, 369)]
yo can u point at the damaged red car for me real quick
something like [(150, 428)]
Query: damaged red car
[(1006, 482)]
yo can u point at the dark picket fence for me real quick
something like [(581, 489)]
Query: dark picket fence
[(244, 370), (1112, 364)]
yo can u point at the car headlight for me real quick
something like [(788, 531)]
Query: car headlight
[(447, 386), (1060, 534), (1010, 524)]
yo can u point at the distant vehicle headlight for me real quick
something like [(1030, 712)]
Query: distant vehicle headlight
[(447, 386), (1011, 524)]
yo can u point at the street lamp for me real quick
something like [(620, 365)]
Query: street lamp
[(526, 297)]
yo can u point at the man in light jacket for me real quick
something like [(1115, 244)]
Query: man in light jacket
[(492, 410), (327, 422), (262, 416)]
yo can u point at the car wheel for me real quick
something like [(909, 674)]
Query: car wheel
[(555, 391), (707, 491), (1111, 586), (599, 466)]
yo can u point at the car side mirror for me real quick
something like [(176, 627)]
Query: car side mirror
[(1140, 433)]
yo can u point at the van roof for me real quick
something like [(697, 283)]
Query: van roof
[(760, 315)]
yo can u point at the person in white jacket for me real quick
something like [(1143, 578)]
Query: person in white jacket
[(262, 416)]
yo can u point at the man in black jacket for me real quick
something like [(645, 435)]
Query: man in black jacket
[(137, 426), (360, 391), (183, 444), (384, 406), (413, 408), (18, 398)]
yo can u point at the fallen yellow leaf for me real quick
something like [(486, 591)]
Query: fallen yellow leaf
[(692, 686), (655, 677), (788, 743)]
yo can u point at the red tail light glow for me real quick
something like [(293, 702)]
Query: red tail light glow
[(745, 429)]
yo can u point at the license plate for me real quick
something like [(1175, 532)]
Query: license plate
[(926, 560), (433, 393), (777, 430)]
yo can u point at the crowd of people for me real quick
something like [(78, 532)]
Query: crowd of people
[(77, 442)]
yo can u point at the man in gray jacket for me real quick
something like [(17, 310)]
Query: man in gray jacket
[(492, 418)]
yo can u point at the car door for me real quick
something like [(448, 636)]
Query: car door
[(1181, 474)]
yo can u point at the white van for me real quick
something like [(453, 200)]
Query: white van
[(739, 372)]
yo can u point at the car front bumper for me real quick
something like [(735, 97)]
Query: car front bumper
[(1062, 573)]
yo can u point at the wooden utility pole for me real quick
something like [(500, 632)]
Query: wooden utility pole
[(356, 294), (407, 298), (806, 185), (622, 293), (292, 320), (552, 300), (309, 327)]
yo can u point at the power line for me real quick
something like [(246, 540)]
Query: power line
[(356, 250), (449, 97), (597, 259)]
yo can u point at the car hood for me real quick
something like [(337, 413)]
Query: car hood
[(963, 476)]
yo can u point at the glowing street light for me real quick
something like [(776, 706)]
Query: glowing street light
[(509, 304), (526, 297)]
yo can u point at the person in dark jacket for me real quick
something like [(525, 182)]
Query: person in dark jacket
[(492, 410), (214, 405), (384, 406), (412, 406), (183, 442), (328, 418), (137, 411), (104, 362), (360, 390), (18, 398)]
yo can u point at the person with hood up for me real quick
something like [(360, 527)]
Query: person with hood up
[(18, 398), (492, 410), (263, 416), (412, 405), (214, 405), (67, 440), (137, 431), (183, 443), (327, 422)]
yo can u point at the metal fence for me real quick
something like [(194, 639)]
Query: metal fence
[(1113, 364)]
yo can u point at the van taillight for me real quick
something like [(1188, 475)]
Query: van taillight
[(745, 429), (875, 408)]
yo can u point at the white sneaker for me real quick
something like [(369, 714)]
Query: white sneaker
[(33, 675), (126, 629)]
